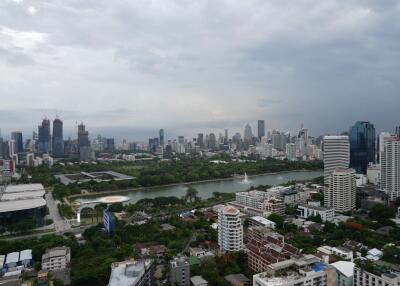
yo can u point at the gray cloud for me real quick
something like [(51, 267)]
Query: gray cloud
[(191, 65)]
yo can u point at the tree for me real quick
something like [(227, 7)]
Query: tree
[(381, 213), (191, 194)]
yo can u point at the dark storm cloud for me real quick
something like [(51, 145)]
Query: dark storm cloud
[(190, 66)]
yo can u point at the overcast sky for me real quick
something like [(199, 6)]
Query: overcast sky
[(131, 67)]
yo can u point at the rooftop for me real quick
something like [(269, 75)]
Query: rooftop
[(18, 205), (24, 188), (230, 210), (344, 267), (197, 280), (128, 272)]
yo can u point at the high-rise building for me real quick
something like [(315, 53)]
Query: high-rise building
[(381, 138), (341, 194), (180, 271), (44, 142), (200, 140), (19, 143), (110, 145), (83, 136), (336, 154), (161, 138), (230, 229), (212, 141), (390, 167), (397, 132), (260, 129), (362, 146), (58, 139), (248, 136)]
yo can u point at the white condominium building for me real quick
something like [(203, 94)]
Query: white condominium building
[(362, 277), (336, 154), (390, 167), (230, 229), (341, 194)]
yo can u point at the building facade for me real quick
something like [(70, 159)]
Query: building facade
[(230, 229), (390, 167), (341, 194), (336, 154), (362, 146), (58, 139), (44, 142), (180, 271), (56, 258)]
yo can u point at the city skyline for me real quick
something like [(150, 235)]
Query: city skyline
[(199, 65)]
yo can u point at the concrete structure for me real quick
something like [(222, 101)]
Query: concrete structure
[(180, 271), (21, 201), (198, 281), (374, 174), (336, 154), (344, 273), (305, 211), (261, 221), (341, 194), (365, 278), (82, 177), (230, 229), (56, 258), (390, 167), (305, 270), (374, 254), (132, 273), (274, 206), (237, 279), (266, 247)]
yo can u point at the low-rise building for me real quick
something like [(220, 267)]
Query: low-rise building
[(305, 270), (180, 271), (237, 279), (261, 221), (266, 247), (362, 277), (306, 211), (374, 254), (344, 273), (274, 205), (56, 258), (132, 273)]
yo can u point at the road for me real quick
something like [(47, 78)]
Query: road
[(76, 230), (60, 224)]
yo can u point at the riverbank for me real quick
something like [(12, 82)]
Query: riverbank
[(184, 184)]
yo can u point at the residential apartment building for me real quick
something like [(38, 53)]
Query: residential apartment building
[(306, 211), (230, 229), (390, 167), (180, 271), (302, 270), (274, 206), (362, 277), (132, 273), (341, 194), (266, 247)]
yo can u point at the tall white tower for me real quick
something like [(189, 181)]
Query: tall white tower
[(336, 154), (341, 194), (230, 229), (390, 167)]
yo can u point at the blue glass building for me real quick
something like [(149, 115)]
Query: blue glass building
[(362, 146)]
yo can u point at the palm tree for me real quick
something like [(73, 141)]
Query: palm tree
[(191, 194)]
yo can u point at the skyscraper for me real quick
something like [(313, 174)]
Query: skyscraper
[(362, 146), (200, 140), (58, 139), (336, 154), (212, 141), (161, 138), (397, 131), (83, 136), (19, 144), (341, 194), (390, 167), (230, 229), (44, 145), (260, 128), (248, 136)]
